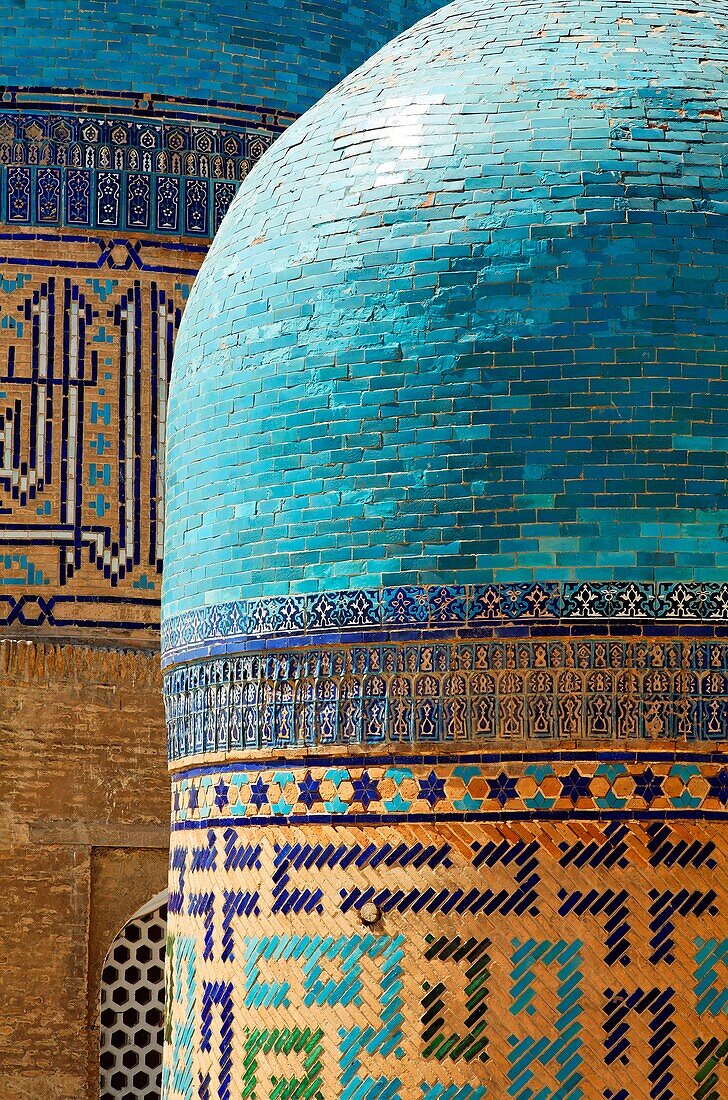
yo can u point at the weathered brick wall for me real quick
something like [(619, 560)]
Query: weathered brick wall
[(84, 802)]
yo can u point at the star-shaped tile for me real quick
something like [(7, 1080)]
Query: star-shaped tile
[(575, 786), (502, 788), (309, 789), (648, 785), (432, 789), (718, 786), (193, 798), (365, 790), (258, 793), (221, 795)]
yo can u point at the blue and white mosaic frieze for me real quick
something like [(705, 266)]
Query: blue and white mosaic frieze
[(566, 690), (380, 612), (108, 163)]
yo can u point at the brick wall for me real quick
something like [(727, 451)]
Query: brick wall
[(84, 802)]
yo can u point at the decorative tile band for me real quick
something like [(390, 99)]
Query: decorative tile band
[(448, 694), (476, 787), (390, 610), (534, 960), (127, 163)]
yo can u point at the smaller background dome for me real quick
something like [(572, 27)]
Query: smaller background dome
[(282, 53)]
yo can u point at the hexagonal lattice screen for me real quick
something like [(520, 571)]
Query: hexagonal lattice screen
[(132, 1007)]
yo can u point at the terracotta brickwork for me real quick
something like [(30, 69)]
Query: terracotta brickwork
[(81, 735)]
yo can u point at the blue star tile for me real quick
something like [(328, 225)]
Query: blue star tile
[(432, 789), (575, 786), (259, 793), (502, 788), (309, 790), (365, 790), (221, 795), (193, 798), (718, 785), (648, 785)]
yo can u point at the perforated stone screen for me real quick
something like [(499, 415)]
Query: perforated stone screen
[(132, 1008)]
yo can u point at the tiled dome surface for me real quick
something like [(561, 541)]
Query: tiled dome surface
[(467, 320)]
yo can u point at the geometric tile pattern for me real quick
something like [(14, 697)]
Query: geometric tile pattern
[(171, 169), (87, 326), (377, 613), (485, 787), (446, 692), (515, 993)]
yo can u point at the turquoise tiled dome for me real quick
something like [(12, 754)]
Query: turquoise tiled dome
[(467, 320)]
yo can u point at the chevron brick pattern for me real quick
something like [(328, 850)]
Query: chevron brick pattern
[(576, 950)]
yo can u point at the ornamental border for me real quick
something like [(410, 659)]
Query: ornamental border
[(152, 105), (127, 162), (375, 614), (473, 787), (131, 246), (464, 692), (34, 610)]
